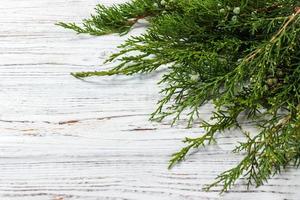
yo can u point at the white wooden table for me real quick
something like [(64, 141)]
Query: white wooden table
[(62, 138)]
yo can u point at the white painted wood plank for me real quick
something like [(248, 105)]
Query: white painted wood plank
[(62, 138)]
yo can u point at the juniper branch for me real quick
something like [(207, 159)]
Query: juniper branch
[(243, 56)]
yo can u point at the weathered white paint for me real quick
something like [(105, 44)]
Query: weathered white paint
[(63, 138)]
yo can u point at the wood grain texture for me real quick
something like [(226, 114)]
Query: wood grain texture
[(64, 139)]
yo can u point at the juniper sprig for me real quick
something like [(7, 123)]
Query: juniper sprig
[(243, 56)]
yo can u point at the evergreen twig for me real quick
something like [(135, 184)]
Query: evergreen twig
[(244, 56)]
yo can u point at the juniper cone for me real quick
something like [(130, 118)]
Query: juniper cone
[(243, 56)]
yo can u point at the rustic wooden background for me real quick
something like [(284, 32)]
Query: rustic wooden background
[(63, 139)]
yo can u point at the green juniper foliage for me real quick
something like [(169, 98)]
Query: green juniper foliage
[(244, 56)]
